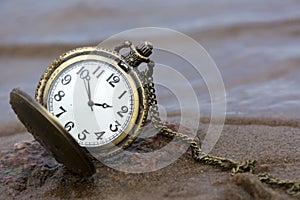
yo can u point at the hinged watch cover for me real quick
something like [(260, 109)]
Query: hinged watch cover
[(50, 134)]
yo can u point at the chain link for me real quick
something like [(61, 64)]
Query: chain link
[(293, 186)]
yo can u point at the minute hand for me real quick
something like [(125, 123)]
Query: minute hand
[(88, 90), (103, 105)]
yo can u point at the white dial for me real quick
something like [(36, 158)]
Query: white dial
[(94, 101)]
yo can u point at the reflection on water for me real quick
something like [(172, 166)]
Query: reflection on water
[(255, 44)]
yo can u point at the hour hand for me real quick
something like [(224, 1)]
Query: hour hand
[(103, 105)]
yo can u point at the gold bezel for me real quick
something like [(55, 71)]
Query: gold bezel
[(113, 58)]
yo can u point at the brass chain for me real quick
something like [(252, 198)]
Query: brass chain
[(146, 76), (293, 186)]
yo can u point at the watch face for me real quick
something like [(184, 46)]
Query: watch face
[(94, 99)]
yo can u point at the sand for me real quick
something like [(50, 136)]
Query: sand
[(274, 148), (7, 142)]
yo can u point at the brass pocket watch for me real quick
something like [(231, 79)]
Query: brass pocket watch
[(94, 98)]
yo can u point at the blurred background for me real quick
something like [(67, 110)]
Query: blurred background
[(255, 44)]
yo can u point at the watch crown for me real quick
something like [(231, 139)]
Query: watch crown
[(145, 49), (137, 54)]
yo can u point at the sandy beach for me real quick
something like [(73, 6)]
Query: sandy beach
[(255, 46), (274, 148)]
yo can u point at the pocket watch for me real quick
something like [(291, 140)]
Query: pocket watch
[(97, 95), (92, 96)]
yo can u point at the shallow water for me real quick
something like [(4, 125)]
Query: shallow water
[(255, 45)]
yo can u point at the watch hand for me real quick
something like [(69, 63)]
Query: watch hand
[(104, 105), (88, 90)]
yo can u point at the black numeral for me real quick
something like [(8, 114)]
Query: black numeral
[(62, 112), (124, 109), (115, 79), (66, 80), (99, 135), (84, 73), (114, 128), (99, 74), (122, 94), (59, 96), (82, 135), (69, 126)]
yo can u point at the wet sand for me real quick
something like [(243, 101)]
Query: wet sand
[(274, 148), (7, 142)]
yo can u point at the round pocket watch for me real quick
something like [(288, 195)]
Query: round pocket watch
[(90, 101)]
